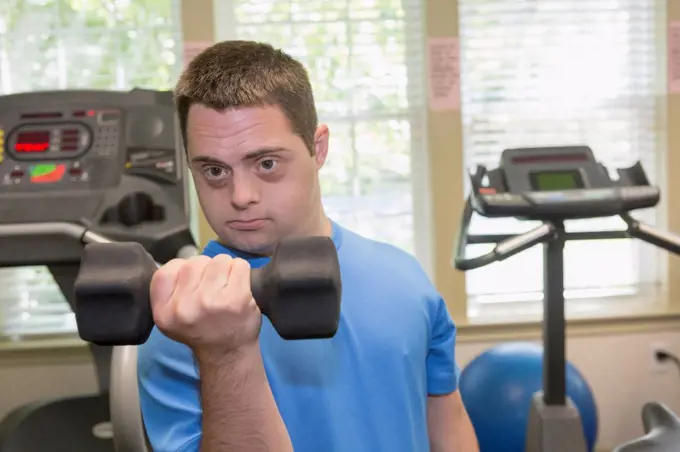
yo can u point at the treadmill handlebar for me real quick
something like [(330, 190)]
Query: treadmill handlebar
[(519, 243), (73, 230), (503, 250), (663, 239)]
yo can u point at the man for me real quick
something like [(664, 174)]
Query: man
[(214, 375)]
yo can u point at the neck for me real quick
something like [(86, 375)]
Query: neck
[(325, 227), (317, 224)]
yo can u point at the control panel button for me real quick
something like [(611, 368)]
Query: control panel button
[(504, 199), (573, 196), (17, 174), (638, 192)]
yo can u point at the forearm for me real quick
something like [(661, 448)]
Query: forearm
[(457, 438), (239, 411), (449, 426)]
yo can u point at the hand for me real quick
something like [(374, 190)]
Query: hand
[(206, 303)]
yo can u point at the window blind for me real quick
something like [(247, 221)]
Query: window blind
[(561, 72), (365, 61), (62, 44)]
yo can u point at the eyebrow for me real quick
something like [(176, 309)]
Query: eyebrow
[(252, 155)]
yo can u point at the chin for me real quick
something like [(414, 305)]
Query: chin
[(253, 242)]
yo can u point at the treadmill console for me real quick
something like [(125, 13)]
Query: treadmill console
[(558, 183), (112, 160)]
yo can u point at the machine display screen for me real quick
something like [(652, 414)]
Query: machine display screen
[(556, 180), (33, 141)]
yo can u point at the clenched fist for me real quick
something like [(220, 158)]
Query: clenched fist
[(206, 303)]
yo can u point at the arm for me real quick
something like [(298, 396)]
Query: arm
[(239, 411), (171, 394), (206, 304), (448, 424)]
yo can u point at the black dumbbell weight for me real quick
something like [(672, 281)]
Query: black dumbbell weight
[(299, 290)]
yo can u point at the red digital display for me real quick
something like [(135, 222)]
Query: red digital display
[(34, 141)]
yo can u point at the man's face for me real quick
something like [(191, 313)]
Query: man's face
[(256, 180)]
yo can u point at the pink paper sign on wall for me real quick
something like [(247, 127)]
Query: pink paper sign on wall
[(444, 73), (674, 57)]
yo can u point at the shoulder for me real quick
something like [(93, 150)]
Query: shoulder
[(390, 280), (382, 258), (387, 272)]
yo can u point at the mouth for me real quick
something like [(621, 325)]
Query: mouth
[(247, 225)]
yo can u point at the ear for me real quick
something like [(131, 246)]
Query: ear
[(321, 137)]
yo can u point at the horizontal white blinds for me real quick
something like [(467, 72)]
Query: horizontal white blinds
[(365, 61), (560, 72)]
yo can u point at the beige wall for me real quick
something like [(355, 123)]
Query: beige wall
[(672, 192)]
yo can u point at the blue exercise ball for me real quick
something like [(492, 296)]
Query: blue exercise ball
[(497, 388)]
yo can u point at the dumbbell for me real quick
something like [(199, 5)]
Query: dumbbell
[(299, 290)]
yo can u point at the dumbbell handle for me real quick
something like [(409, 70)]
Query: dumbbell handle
[(256, 278)]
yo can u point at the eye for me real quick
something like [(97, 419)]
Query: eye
[(214, 172), (268, 164)]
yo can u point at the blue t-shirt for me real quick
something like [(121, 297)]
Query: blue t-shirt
[(364, 390)]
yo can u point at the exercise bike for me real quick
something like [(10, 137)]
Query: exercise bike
[(553, 185)]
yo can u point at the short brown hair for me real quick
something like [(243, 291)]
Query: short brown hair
[(234, 74)]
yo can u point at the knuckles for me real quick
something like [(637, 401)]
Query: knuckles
[(231, 301)]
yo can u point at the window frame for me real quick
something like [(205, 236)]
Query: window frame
[(225, 23), (647, 257)]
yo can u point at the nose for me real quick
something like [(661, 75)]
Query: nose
[(244, 191)]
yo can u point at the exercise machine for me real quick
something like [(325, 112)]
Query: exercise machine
[(662, 431), (79, 166), (553, 185)]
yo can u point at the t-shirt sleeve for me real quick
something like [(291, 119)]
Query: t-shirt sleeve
[(442, 370), (169, 395)]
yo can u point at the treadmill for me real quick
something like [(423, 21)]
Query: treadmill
[(553, 185), (79, 166)]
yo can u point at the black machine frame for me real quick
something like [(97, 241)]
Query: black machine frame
[(554, 423), (123, 178)]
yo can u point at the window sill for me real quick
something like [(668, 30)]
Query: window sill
[(42, 343), (650, 312)]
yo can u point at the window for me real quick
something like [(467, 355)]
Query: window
[(561, 72), (365, 61), (60, 44)]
